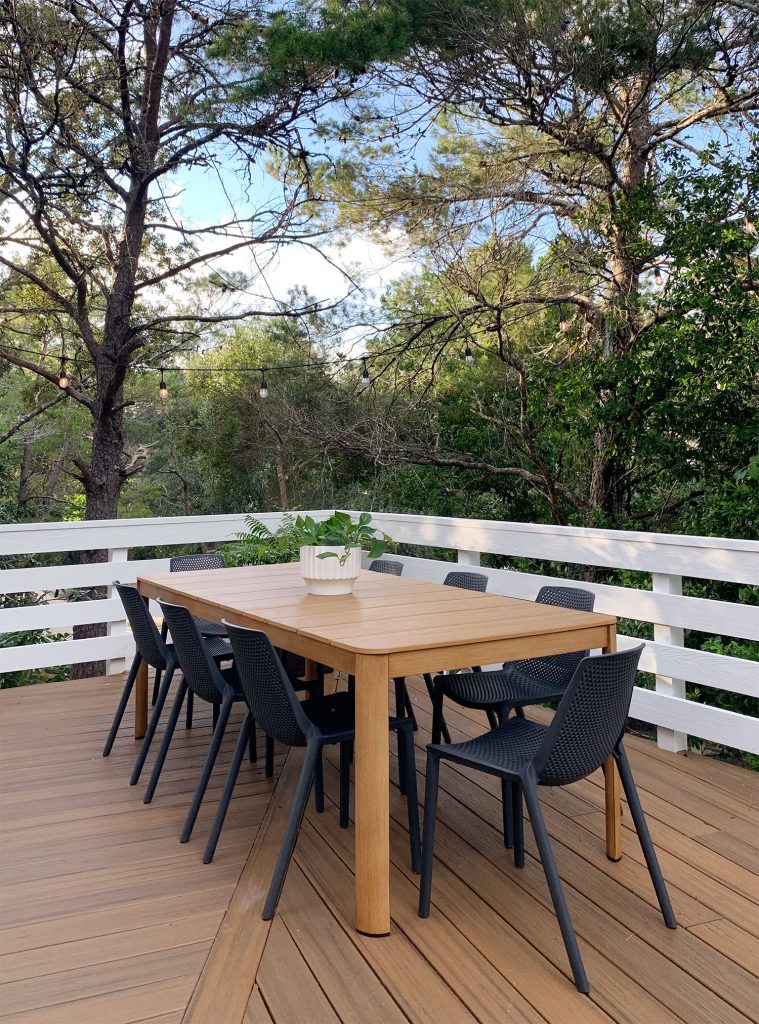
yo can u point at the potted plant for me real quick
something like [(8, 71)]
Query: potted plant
[(330, 550)]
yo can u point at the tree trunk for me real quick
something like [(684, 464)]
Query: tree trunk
[(284, 498), (103, 481)]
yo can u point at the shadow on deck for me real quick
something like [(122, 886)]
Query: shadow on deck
[(106, 919)]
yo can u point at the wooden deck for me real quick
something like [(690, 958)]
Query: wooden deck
[(106, 919)]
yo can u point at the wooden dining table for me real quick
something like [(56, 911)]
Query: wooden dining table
[(388, 627)]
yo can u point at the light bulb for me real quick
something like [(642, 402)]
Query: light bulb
[(468, 357), (749, 225), (657, 276), (563, 323), (63, 377), (263, 390), (365, 376), (163, 391)]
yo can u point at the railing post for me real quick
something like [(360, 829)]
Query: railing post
[(664, 583), (116, 665), (468, 557)]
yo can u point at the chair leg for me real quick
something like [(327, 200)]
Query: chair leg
[(123, 701), (171, 725), (641, 827), (400, 703), (319, 784), (508, 813), (253, 744), (518, 824), (153, 724), (188, 713), (316, 686), (269, 767), (492, 718), (313, 756), (439, 728), (234, 770), (428, 842), (403, 706), (205, 775), (157, 680), (345, 782), (214, 715), (406, 732), (554, 884)]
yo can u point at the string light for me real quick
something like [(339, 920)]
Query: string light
[(163, 391), (365, 375), (263, 390), (468, 357), (658, 279), (563, 322), (749, 225), (63, 377)]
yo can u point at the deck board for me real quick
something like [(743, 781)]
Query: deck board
[(105, 916)]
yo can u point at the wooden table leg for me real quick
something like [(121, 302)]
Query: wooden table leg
[(612, 786), (141, 701), (372, 810)]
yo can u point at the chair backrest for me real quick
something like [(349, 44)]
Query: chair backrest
[(148, 640), (386, 565), (266, 687), (466, 581), (200, 671), (558, 669), (194, 563), (590, 719)]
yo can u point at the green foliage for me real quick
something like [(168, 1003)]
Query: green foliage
[(9, 680), (260, 546)]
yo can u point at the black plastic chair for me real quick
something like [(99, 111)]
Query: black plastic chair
[(386, 565), (201, 676), (465, 581), (312, 724), (587, 727), (153, 649), (193, 563), (518, 683)]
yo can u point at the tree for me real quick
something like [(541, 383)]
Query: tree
[(546, 121), (109, 107)]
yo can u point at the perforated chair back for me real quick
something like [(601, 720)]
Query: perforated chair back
[(466, 581), (196, 562), (558, 669), (266, 687), (590, 719), (200, 671), (151, 647), (386, 565)]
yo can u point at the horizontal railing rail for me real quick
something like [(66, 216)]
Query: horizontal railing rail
[(666, 559)]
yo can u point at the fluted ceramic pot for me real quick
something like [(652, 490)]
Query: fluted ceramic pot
[(327, 575)]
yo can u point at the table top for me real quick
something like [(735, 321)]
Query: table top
[(385, 614)]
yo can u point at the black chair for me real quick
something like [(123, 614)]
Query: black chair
[(312, 724), (153, 649), (193, 563), (386, 565), (201, 676), (465, 581), (587, 727), (518, 683)]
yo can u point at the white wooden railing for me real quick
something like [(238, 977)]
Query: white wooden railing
[(665, 558)]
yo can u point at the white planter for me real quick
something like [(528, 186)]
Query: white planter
[(327, 575)]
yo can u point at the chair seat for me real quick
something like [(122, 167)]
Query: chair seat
[(506, 749), (506, 686), (335, 715), (218, 647), (208, 628)]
